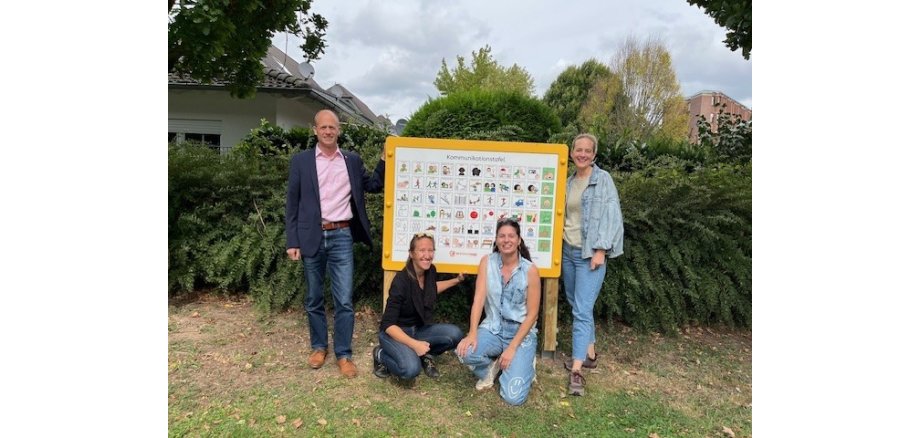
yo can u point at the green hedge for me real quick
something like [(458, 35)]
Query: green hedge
[(226, 217), (687, 248), (687, 242), (484, 115)]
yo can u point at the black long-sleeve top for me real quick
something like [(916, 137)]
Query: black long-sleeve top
[(408, 305)]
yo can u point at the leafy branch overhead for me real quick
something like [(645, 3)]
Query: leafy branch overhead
[(224, 40), (736, 17), (484, 73), (639, 99)]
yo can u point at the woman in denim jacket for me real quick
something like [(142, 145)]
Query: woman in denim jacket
[(592, 233), (508, 288)]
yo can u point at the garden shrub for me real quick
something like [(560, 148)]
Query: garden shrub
[(687, 249), (484, 115)]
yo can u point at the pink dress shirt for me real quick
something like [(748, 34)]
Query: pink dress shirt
[(334, 186)]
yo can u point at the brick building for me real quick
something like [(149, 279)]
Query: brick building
[(707, 103)]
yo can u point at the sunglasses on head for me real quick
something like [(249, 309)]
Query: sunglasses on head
[(424, 234)]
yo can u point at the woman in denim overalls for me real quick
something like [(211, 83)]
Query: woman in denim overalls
[(505, 343)]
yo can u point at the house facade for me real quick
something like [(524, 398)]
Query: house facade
[(707, 104), (207, 112)]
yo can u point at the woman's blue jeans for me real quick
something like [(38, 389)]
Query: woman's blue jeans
[(514, 382), (582, 286), (403, 362)]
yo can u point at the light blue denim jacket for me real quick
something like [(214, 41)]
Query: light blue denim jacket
[(602, 220), (508, 301)]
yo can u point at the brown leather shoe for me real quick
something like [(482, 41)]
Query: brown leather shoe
[(347, 367), (317, 359)]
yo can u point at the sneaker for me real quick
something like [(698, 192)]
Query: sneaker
[(489, 380), (380, 370), (576, 383), (428, 366), (588, 363)]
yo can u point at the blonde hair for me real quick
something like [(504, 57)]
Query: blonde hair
[(589, 137)]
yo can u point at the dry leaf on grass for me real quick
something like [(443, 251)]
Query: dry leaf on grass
[(727, 431), (653, 435), (280, 419), (468, 414), (297, 423), (322, 422)]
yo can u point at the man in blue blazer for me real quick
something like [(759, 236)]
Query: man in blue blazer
[(325, 215)]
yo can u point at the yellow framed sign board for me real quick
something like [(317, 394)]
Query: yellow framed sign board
[(458, 190)]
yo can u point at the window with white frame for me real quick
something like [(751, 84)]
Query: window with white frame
[(212, 140), (204, 131)]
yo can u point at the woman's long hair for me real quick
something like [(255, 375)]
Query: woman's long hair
[(522, 248)]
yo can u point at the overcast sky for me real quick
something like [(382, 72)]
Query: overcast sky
[(389, 52)]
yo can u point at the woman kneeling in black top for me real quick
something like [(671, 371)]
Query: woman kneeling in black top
[(408, 338)]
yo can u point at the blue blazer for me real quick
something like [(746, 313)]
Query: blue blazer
[(303, 217)]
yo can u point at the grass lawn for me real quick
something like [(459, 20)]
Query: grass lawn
[(234, 372)]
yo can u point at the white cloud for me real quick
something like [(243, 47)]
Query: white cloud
[(388, 53)]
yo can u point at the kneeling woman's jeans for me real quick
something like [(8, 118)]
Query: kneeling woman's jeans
[(402, 361), (514, 382)]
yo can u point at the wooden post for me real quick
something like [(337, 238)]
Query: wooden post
[(388, 277), (550, 316)]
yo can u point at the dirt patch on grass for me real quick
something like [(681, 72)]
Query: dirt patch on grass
[(215, 341), (222, 349)]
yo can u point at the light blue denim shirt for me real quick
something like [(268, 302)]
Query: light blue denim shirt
[(505, 301), (602, 220)]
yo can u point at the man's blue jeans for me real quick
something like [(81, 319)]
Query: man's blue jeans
[(403, 362), (336, 254), (514, 382), (582, 286)]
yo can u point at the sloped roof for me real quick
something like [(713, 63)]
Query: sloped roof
[(274, 79), (351, 99), (711, 92), (281, 74)]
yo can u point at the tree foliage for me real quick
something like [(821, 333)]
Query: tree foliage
[(484, 115), (226, 217), (734, 15), (687, 245), (484, 73), (569, 92), (223, 40), (732, 140), (642, 98), (687, 250)]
